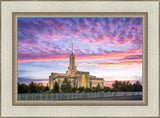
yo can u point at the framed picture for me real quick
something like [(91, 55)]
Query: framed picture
[(82, 85), (80, 59)]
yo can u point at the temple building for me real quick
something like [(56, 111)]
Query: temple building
[(76, 77)]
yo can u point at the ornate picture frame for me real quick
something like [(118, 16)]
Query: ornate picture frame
[(11, 107)]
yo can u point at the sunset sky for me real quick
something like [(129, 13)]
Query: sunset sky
[(110, 48)]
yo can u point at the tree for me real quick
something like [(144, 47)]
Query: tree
[(81, 89), (122, 86), (40, 87), (107, 89), (66, 86), (56, 87), (126, 86), (33, 87), (46, 89), (88, 90), (115, 86), (98, 88), (137, 86), (93, 89), (22, 88), (74, 89), (90, 84)]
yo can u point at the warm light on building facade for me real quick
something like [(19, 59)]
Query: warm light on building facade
[(83, 80)]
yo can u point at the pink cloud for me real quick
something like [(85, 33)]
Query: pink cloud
[(37, 23), (79, 56), (48, 22)]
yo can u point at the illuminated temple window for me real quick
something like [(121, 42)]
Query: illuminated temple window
[(83, 80)]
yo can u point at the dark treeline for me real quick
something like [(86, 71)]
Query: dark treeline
[(120, 86), (117, 86), (32, 88)]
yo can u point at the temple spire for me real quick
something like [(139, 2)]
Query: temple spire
[(72, 47), (72, 68)]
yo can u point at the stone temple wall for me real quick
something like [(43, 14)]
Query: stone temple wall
[(94, 83)]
